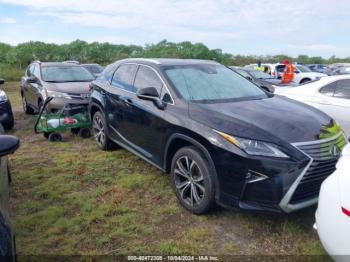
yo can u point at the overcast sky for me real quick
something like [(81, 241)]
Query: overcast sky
[(259, 27)]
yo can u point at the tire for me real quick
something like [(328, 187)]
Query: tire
[(305, 80), (26, 108), (192, 180), (8, 125), (84, 132), (55, 137), (99, 130)]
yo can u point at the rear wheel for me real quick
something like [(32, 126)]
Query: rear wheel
[(192, 181), (99, 129), (26, 108)]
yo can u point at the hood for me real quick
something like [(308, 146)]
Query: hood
[(276, 119), (68, 87)]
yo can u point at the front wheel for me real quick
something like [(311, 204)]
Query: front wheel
[(192, 180), (99, 129)]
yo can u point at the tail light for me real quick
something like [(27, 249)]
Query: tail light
[(345, 211)]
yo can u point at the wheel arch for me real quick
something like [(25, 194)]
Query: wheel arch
[(177, 141), (93, 108), (305, 79)]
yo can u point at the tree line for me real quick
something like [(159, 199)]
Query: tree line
[(104, 53)]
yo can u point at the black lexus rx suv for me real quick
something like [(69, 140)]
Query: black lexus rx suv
[(221, 137)]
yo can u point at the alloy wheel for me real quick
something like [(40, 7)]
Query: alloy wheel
[(189, 181), (99, 132)]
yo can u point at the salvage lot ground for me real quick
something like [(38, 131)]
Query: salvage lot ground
[(71, 198)]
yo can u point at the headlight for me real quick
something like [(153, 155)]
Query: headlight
[(254, 147), (58, 94), (3, 96)]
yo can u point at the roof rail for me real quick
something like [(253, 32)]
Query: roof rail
[(36, 61)]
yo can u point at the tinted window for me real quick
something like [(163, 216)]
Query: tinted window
[(108, 72), (146, 77), (124, 76), (343, 89), (329, 89), (30, 70), (36, 71), (208, 83)]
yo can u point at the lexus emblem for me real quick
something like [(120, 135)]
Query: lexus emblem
[(334, 151)]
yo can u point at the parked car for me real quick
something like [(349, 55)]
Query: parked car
[(330, 94), (318, 68), (65, 82), (333, 67), (265, 81), (221, 137), (333, 212), (8, 145), (6, 115), (344, 70), (302, 74), (94, 69)]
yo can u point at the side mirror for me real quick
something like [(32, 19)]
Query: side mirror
[(296, 72), (8, 145), (151, 93), (32, 79), (2, 81)]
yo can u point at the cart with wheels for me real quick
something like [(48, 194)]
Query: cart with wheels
[(72, 117)]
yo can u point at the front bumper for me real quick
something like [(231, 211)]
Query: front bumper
[(58, 103), (6, 115), (289, 185)]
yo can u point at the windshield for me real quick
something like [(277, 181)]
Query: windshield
[(303, 69), (205, 82), (260, 75), (66, 74)]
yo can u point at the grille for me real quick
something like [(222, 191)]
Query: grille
[(79, 96), (323, 164)]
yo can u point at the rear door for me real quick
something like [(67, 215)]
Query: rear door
[(119, 98)]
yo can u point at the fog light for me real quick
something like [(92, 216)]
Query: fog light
[(253, 176)]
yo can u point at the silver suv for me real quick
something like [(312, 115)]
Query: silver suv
[(65, 82)]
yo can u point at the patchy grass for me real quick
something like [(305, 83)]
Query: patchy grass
[(71, 198)]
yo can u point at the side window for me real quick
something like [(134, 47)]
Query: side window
[(124, 76), (343, 89), (146, 77), (36, 71), (329, 89), (29, 71)]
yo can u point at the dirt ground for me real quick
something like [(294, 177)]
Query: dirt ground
[(71, 198)]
